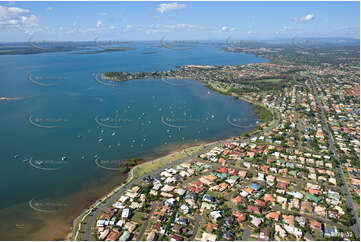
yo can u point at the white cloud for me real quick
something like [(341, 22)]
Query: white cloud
[(227, 29), (12, 17), (128, 27), (158, 28), (49, 9), (165, 7), (306, 18), (11, 12), (99, 24)]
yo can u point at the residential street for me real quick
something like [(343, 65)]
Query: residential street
[(356, 226), (145, 225)]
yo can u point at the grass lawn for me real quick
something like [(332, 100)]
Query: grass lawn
[(199, 233), (139, 217), (270, 80), (218, 86), (216, 194), (151, 166), (232, 205)]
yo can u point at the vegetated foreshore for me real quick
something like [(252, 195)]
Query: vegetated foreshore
[(171, 153)]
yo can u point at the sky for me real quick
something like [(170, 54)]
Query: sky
[(76, 21)]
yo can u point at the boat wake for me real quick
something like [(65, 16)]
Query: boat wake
[(96, 161), (99, 122), (98, 80), (42, 126), (166, 121), (41, 168), (39, 83), (237, 125), (172, 84)]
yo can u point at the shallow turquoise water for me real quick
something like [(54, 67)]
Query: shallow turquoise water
[(79, 99)]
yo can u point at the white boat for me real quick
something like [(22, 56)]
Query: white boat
[(100, 140), (63, 158), (113, 133)]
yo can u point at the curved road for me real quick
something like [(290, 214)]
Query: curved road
[(110, 200)]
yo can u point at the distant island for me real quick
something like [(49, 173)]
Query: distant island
[(12, 98)]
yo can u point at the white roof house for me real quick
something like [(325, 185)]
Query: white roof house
[(170, 201), (123, 199), (125, 213), (101, 222), (119, 205), (185, 209), (216, 214)]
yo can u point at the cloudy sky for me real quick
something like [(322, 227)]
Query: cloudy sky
[(177, 20)]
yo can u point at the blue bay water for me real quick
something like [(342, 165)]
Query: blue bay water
[(78, 99)]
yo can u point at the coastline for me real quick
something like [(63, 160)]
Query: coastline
[(76, 227), (85, 212)]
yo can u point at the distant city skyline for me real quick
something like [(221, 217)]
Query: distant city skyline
[(75, 21)]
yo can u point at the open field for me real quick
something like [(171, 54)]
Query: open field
[(156, 164), (269, 80)]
